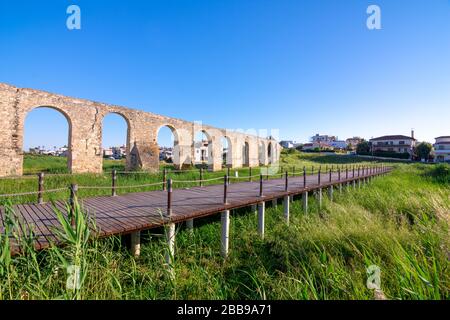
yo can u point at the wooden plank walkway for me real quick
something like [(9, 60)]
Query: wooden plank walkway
[(145, 210)]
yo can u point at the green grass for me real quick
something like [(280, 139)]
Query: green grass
[(398, 222)]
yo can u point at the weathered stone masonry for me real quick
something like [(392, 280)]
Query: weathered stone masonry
[(85, 120)]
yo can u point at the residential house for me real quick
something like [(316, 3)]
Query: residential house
[(338, 144), (201, 151), (442, 149), (394, 143)]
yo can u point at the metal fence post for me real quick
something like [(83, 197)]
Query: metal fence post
[(169, 197), (286, 181), (260, 185), (41, 188), (113, 182), (164, 179), (225, 191)]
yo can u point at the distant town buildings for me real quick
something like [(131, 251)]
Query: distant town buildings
[(115, 152), (201, 151), (353, 142), (166, 154), (57, 152), (326, 139), (288, 144), (442, 149), (338, 144)]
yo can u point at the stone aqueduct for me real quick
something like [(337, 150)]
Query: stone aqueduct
[(85, 120)]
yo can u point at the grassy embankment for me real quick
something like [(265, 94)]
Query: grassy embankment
[(398, 222)]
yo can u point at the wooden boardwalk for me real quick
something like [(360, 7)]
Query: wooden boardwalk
[(145, 210)]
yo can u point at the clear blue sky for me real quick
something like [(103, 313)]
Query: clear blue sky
[(302, 67)]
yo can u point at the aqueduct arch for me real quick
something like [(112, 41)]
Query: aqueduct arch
[(85, 120)]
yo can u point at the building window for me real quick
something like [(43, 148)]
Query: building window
[(401, 142)]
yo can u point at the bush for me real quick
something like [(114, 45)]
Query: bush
[(440, 173), (387, 154)]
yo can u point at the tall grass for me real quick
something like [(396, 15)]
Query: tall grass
[(398, 222)]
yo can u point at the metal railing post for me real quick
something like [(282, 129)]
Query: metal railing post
[(164, 179), (41, 188), (260, 185), (113, 183), (286, 181), (225, 189), (169, 197)]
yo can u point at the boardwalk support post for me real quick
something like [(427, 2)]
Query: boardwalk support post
[(41, 188), (113, 183), (261, 214), (225, 221), (286, 208), (190, 225), (330, 193), (319, 196), (170, 252), (136, 244), (305, 202)]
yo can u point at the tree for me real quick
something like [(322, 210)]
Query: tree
[(363, 147), (423, 150)]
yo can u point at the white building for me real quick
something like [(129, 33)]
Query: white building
[(324, 138), (442, 149), (338, 144), (201, 151), (287, 144)]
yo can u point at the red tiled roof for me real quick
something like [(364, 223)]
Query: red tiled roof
[(395, 137)]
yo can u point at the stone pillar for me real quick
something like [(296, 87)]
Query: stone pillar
[(11, 133)]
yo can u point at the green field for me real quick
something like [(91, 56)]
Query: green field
[(398, 222)]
